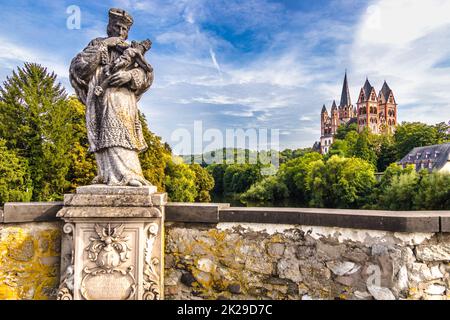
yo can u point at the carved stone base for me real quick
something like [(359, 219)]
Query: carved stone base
[(112, 246)]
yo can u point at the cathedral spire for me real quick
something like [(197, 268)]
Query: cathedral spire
[(385, 90), (367, 89), (345, 96), (334, 107)]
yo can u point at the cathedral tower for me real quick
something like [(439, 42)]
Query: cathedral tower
[(326, 139), (346, 111), (388, 109), (368, 109), (334, 118)]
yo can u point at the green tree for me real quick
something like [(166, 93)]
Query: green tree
[(442, 132), (343, 130), (268, 189), (204, 183), (238, 178), (409, 135), (386, 154), (344, 147), (82, 163), (289, 154), (35, 120), (433, 192), (156, 158), (15, 182), (400, 193), (180, 182), (339, 148), (217, 171), (295, 172), (340, 182), (363, 148)]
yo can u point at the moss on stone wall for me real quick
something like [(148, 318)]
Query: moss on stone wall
[(244, 262), (29, 261), (250, 262)]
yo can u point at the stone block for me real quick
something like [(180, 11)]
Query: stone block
[(109, 212), (16, 212), (112, 200), (159, 198), (435, 289), (445, 221), (259, 265), (116, 190), (381, 293), (289, 269), (275, 249), (433, 252), (396, 221), (193, 212), (341, 268)]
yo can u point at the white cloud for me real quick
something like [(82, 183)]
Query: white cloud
[(214, 60), (13, 54), (402, 42)]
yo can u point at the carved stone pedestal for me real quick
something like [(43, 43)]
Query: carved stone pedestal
[(112, 245)]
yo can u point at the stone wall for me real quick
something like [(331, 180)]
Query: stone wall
[(29, 260), (217, 252), (267, 261)]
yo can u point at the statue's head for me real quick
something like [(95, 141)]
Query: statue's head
[(119, 24)]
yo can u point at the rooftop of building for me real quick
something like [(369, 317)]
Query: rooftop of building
[(438, 154)]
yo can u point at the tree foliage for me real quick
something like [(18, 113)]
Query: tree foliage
[(270, 188), (156, 158), (409, 135), (340, 182), (239, 177), (204, 183), (180, 182), (36, 122), (15, 182)]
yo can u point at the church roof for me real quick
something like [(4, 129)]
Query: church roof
[(352, 120), (333, 107), (345, 95), (324, 109), (385, 91), (367, 89)]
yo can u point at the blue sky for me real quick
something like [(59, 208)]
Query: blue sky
[(254, 63)]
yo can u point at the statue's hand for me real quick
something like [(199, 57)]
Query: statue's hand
[(113, 41), (120, 78)]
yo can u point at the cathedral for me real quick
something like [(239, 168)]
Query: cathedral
[(378, 113)]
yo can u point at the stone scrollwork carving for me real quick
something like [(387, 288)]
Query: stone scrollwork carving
[(65, 291), (108, 251), (151, 276)]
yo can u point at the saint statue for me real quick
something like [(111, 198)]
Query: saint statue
[(109, 77)]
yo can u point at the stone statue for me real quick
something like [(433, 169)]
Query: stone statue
[(109, 77)]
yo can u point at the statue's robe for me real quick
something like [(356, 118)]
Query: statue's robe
[(112, 119)]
